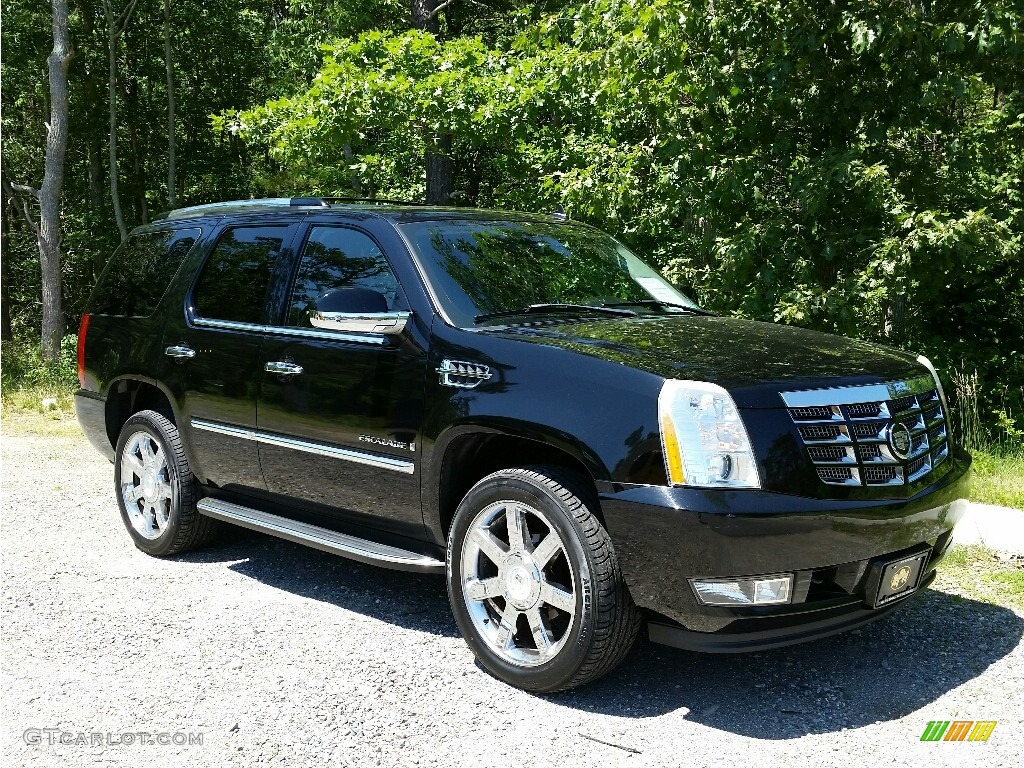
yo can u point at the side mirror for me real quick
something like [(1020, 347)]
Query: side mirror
[(357, 310)]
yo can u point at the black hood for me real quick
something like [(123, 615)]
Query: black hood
[(753, 361)]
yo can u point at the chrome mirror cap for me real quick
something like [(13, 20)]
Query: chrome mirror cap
[(387, 323)]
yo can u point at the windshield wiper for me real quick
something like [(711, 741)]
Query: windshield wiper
[(657, 303), (553, 308)]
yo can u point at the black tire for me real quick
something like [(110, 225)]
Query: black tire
[(185, 529), (606, 620)]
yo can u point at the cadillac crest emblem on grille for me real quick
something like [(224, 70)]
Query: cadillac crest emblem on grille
[(900, 440)]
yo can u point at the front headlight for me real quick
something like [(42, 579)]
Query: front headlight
[(703, 437)]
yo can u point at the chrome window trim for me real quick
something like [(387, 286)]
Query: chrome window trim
[(865, 393), (227, 325), (320, 449), (313, 333), (282, 330)]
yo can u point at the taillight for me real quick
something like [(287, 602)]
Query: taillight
[(81, 350)]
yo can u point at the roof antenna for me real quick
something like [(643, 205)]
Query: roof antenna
[(560, 214)]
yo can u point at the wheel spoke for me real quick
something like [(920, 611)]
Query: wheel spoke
[(482, 589), (133, 463), (558, 597), (489, 545), (518, 533), (547, 549), (541, 635), (507, 627)]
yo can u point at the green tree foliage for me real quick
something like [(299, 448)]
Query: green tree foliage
[(851, 167), (855, 168)]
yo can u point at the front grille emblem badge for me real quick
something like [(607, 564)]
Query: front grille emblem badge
[(899, 439)]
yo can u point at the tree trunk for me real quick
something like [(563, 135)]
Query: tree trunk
[(437, 149), (422, 15), (5, 279), (438, 161), (115, 27), (169, 66), (115, 194), (53, 178), (137, 187)]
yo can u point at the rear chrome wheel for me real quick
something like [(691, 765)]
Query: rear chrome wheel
[(519, 585), (156, 491), (146, 485)]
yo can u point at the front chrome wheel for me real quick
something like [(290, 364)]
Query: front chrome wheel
[(519, 585), (146, 485)]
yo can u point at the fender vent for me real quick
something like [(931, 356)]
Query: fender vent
[(462, 375)]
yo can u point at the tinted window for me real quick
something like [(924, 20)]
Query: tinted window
[(139, 272), (234, 283), (477, 268), (338, 258)]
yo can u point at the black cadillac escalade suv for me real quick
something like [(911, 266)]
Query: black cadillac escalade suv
[(521, 403)]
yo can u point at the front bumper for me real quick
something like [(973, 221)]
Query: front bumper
[(664, 537)]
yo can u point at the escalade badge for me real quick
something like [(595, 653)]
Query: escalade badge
[(387, 441), (900, 440), (899, 579)]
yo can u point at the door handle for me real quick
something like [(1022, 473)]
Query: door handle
[(283, 369), (180, 352)]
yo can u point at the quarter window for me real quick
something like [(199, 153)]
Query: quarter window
[(234, 283), (139, 272), (335, 257)]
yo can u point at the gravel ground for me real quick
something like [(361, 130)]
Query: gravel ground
[(281, 655)]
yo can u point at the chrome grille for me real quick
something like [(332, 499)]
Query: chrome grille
[(846, 431)]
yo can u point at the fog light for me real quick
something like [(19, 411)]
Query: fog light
[(763, 590)]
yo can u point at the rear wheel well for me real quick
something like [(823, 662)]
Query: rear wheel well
[(470, 458), (130, 396)]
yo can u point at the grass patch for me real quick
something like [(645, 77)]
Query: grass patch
[(28, 384), (998, 479), (30, 423), (979, 574)]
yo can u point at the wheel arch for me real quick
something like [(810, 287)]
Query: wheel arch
[(468, 452), (127, 395)]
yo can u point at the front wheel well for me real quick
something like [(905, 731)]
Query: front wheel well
[(470, 458), (129, 396)]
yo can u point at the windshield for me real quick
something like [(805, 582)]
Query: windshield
[(479, 269)]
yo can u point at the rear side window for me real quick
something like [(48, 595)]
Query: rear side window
[(139, 272), (335, 257), (234, 283)]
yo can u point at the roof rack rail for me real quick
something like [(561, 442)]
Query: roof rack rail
[(240, 206), (380, 200)]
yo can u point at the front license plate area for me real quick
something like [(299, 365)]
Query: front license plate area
[(899, 578)]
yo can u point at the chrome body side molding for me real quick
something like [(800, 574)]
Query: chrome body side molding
[(404, 466)]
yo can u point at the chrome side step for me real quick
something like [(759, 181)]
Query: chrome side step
[(325, 539)]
